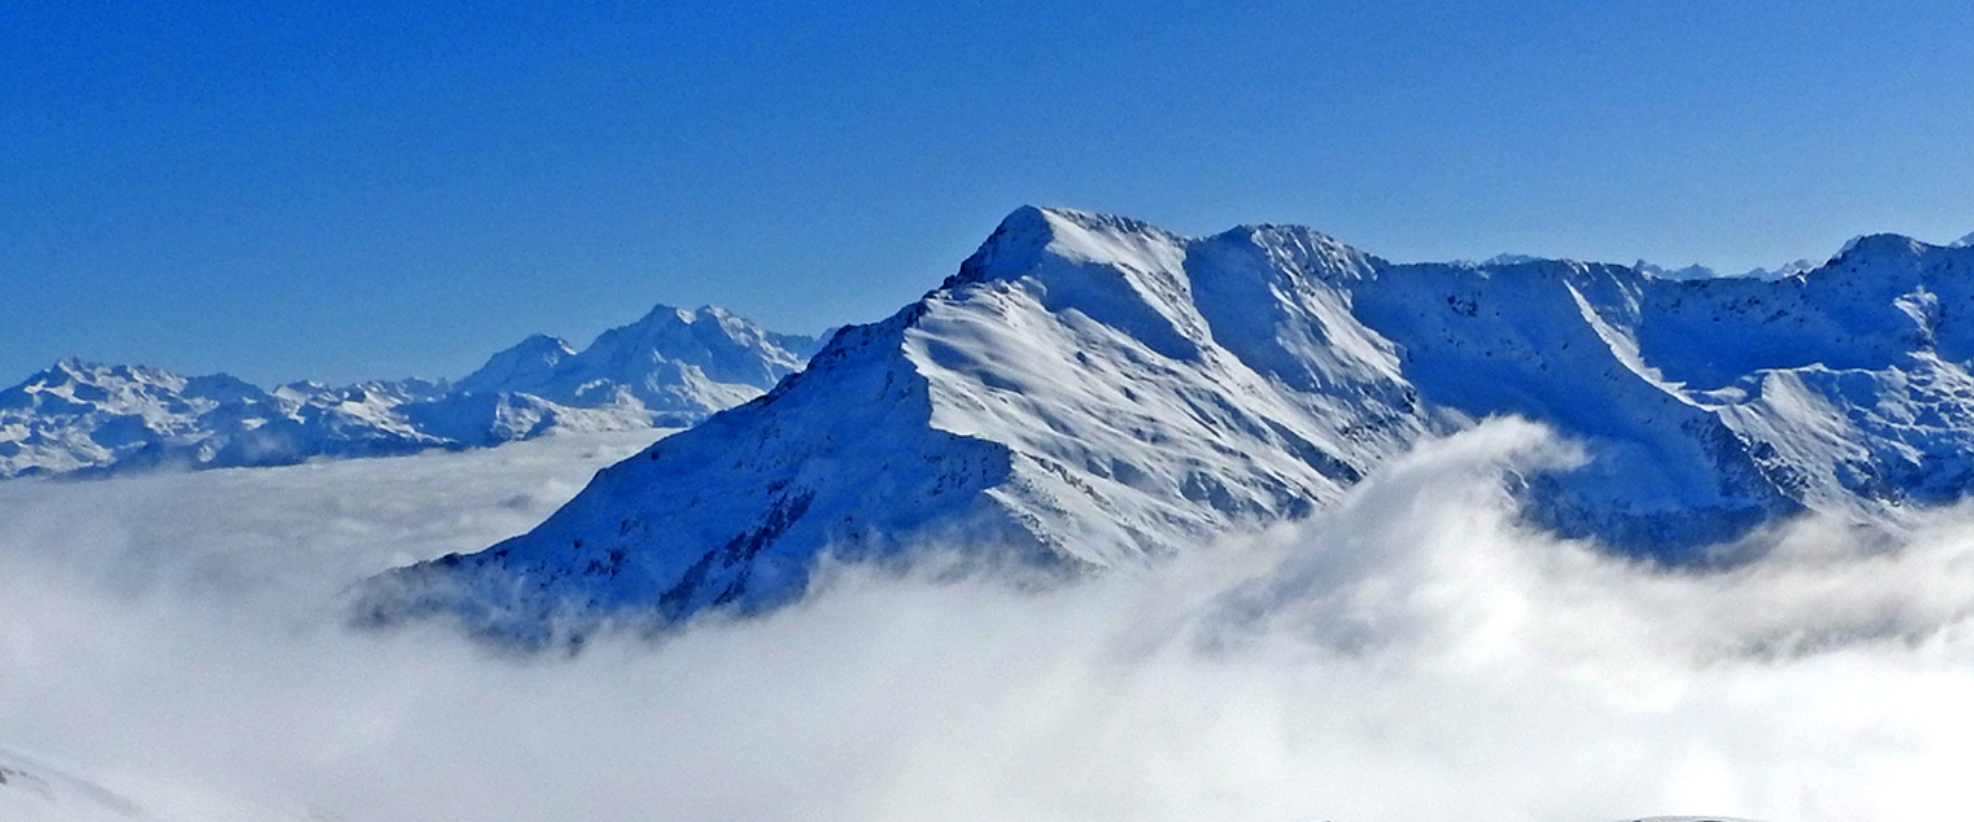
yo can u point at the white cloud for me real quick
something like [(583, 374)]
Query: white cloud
[(1413, 655)]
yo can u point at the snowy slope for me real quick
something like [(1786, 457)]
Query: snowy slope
[(30, 790), (1090, 392), (1062, 398), (1850, 381), (670, 369), (1550, 341)]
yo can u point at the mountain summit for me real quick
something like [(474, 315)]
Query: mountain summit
[(678, 365), (1090, 392)]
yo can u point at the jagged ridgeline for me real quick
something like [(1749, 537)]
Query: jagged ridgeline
[(668, 370), (1091, 392)]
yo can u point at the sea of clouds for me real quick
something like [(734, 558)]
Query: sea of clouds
[(174, 648)]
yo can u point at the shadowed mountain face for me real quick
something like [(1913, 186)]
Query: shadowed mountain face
[(670, 369), (1091, 392)]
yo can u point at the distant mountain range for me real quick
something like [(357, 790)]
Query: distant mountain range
[(670, 369), (1090, 392)]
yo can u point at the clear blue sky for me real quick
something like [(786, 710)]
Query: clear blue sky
[(353, 189)]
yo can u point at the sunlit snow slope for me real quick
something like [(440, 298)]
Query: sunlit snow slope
[(1091, 392)]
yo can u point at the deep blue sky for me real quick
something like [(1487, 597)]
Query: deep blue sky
[(353, 189)]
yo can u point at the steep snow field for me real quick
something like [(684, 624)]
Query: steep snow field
[(1414, 652)]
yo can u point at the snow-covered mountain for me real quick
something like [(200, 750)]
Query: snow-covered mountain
[(675, 365), (77, 416), (670, 369), (1701, 272), (1090, 392), (1695, 271)]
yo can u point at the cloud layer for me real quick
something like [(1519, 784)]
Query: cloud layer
[(1414, 654)]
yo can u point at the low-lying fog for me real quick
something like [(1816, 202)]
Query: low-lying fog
[(172, 648)]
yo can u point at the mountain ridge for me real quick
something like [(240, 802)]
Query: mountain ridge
[(1093, 392), (670, 369)]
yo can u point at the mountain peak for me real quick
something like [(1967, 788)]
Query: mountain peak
[(524, 365), (705, 317), (1030, 233), (1695, 271), (76, 369), (1296, 248), (543, 342), (1881, 246), (1795, 268), (666, 313), (1055, 219)]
